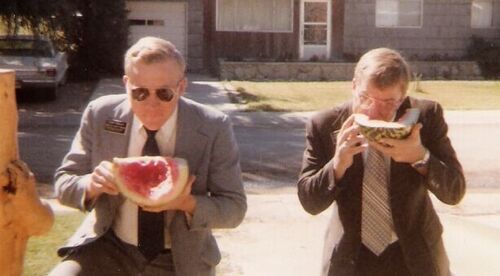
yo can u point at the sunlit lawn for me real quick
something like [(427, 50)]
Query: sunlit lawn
[(41, 255), (308, 96)]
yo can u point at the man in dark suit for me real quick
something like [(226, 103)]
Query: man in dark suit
[(383, 220), (118, 237)]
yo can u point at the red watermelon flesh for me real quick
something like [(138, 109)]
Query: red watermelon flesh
[(150, 181)]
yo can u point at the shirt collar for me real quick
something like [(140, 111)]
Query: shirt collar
[(164, 130)]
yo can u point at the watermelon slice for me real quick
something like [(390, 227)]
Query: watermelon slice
[(150, 180), (374, 130)]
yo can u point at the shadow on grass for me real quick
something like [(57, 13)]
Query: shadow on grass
[(41, 254)]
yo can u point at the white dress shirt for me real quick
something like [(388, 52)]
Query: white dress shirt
[(125, 222)]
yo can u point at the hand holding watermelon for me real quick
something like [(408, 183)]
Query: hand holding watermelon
[(408, 150), (185, 201), (102, 181), (349, 143)]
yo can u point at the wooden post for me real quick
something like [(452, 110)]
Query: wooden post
[(22, 213)]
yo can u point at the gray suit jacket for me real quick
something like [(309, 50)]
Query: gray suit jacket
[(204, 138)]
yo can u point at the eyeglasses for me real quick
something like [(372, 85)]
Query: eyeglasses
[(366, 101), (165, 94)]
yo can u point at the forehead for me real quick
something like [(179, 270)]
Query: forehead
[(160, 72)]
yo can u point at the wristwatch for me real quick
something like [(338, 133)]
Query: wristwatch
[(422, 162)]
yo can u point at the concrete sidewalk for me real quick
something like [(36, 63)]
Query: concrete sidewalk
[(278, 237)]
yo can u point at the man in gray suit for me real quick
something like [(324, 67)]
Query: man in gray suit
[(109, 241)]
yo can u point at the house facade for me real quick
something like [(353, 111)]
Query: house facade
[(180, 22), (207, 31)]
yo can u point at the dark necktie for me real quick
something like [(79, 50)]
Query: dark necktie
[(150, 225)]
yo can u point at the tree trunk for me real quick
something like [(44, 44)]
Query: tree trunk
[(22, 213)]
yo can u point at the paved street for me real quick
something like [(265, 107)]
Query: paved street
[(278, 237), (46, 128)]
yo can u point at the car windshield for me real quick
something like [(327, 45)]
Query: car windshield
[(25, 47)]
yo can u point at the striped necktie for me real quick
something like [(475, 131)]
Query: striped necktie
[(376, 222), (150, 236)]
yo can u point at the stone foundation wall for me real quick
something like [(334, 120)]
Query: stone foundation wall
[(337, 71)]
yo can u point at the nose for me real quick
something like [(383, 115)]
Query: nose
[(152, 101)]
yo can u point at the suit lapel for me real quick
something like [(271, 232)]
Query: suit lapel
[(115, 144), (190, 142), (400, 172), (402, 109), (191, 135)]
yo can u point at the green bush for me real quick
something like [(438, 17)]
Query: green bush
[(101, 38), (94, 33), (487, 55)]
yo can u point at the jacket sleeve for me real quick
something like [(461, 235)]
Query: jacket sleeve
[(73, 175), (445, 177), (224, 206), (316, 184)]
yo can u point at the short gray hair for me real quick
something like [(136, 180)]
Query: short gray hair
[(151, 50)]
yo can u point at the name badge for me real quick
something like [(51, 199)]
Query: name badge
[(115, 126)]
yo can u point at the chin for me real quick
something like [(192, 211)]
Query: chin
[(153, 124)]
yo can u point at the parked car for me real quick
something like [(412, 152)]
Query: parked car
[(36, 62)]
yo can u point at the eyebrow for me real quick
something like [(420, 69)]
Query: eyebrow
[(382, 100)]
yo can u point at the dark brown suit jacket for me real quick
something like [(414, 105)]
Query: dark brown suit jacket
[(415, 221)]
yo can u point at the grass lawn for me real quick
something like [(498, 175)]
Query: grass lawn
[(309, 96), (41, 254)]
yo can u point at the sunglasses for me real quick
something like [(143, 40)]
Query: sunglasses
[(164, 94)]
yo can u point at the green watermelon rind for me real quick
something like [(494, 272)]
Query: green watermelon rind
[(159, 197), (393, 130)]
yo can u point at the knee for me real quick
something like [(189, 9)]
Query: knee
[(66, 268)]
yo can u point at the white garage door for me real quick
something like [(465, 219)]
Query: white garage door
[(161, 19)]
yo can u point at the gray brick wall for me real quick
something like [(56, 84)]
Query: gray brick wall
[(445, 32), (195, 35)]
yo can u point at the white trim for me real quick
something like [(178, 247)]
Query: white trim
[(328, 27), (138, 6), (186, 40), (493, 17), (253, 31)]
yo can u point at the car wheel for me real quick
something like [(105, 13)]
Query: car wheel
[(51, 93), (64, 80)]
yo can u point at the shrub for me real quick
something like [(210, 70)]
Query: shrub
[(94, 33), (487, 55)]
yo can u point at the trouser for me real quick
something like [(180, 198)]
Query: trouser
[(390, 262), (110, 256)]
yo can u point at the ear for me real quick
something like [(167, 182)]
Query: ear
[(353, 86), (182, 86), (125, 80)]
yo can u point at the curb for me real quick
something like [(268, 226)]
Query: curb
[(62, 119), (287, 120)]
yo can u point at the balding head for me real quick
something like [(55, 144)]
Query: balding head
[(150, 50)]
